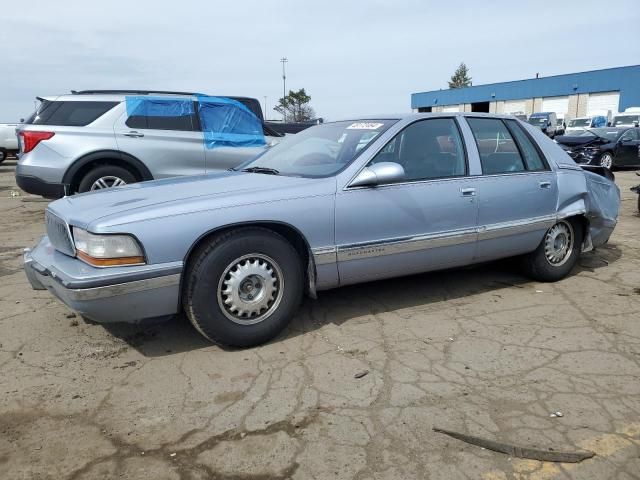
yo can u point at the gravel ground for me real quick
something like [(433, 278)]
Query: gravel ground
[(482, 351)]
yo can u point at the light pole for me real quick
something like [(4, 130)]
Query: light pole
[(284, 60)]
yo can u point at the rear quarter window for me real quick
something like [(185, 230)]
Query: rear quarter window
[(70, 113)]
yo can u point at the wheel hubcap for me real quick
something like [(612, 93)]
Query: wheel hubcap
[(558, 243), (109, 181), (606, 161), (250, 289)]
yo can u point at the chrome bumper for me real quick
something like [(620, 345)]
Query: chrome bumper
[(117, 300)]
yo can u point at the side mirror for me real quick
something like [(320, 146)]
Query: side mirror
[(22, 120), (379, 173)]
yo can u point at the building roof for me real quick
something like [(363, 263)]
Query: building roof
[(623, 79)]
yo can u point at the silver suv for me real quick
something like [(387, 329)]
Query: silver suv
[(97, 139)]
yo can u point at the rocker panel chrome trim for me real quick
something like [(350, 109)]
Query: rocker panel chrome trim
[(415, 243), (392, 246)]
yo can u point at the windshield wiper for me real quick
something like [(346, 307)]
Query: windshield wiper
[(268, 171)]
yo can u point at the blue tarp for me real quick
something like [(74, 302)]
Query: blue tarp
[(228, 123), (148, 106)]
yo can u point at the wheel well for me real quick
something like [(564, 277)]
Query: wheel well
[(293, 235), (287, 231), (583, 221), (87, 167)]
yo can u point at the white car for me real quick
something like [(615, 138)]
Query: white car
[(629, 118), (8, 140)]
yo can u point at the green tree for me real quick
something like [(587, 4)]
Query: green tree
[(460, 78), (295, 106)]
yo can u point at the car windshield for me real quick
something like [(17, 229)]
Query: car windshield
[(625, 119), (579, 122), (321, 150), (537, 121), (559, 122)]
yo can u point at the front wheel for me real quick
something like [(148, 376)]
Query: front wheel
[(606, 160), (243, 287), (557, 254)]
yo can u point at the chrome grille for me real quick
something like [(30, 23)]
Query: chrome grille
[(59, 234)]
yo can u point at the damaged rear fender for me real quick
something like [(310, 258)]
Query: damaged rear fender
[(593, 198)]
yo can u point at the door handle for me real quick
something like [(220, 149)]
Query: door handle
[(134, 134), (545, 184), (468, 192)]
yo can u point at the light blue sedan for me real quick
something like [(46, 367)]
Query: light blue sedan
[(337, 204)]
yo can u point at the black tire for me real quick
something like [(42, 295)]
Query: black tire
[(105, 172), (538, 266), (3, 155), (205, 278)]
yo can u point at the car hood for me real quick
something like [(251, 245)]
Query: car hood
[(98, 211), (570, 141)]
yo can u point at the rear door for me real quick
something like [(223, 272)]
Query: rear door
[(164, 134), (517, 191)]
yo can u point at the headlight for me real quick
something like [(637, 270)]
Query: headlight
[(107, 250), (590, 151)]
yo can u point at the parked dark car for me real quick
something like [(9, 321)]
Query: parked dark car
[(607, 147), (636, 189)]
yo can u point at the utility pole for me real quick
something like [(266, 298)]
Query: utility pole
[(284, 60), (265, 107)]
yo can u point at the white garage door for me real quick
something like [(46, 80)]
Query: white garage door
[(451, 108), (514, 106), (604, 101), (555, 104)]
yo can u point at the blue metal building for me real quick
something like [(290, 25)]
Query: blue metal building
[(571, 95)]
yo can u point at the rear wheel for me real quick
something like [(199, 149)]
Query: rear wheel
[(3, 155), (105, 176), (243, 287), (558, 252), (606, 160)]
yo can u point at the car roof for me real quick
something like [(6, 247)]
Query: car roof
[(105, 97), (409, 116)]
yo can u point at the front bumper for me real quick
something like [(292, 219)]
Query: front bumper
[(105, 295), (581, 157)]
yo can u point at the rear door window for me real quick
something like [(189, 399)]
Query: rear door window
[(531, 155), (69, 113), (498, 150), (160, 114), (182, 123)]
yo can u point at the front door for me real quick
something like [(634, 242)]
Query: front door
[(517, 192), (425, 222), (163, 134), (628, 150)]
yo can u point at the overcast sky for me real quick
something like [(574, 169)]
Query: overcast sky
[(352, 57)]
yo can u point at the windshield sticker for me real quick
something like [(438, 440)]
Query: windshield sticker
[(365, 126)]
